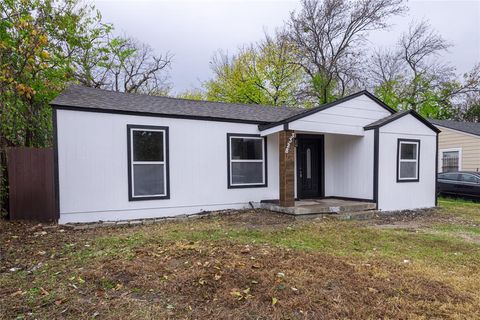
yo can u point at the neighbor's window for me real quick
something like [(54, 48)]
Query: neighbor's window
[(148, 162), (246, 161), (408, 160), (450, 161)]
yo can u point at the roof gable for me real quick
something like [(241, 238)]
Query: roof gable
[(327, 106)]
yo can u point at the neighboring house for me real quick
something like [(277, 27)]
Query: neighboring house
[(458, 145), (128, 156)]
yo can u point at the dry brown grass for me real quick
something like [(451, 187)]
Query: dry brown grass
[(235, 268)]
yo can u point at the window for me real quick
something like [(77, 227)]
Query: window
[(449, 176), (148, 175), (246, 161), (469, 178), (408, 160), (450, 160)]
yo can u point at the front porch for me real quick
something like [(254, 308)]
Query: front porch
[(306, 207)]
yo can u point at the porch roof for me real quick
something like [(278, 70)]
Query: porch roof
[(398, 115)]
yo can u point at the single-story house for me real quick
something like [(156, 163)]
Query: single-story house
[(128, 156), (458, 145)]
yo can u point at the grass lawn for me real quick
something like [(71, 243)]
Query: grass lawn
[(251, 265)]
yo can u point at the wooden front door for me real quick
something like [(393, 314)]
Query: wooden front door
[(309, 166)]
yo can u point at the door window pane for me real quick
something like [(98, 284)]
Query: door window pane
[(309, 164)]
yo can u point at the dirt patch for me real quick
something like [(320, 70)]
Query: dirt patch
[(66, 274), (415, 219), (258, 219)]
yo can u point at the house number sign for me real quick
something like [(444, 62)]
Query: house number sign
[(289, 143)]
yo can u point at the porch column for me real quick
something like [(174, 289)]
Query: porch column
[(287, 167)]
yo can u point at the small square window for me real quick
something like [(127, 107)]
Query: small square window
[(408, 155)]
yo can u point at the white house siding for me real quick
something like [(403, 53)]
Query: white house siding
[(93, 169), (393, 195), (348, 147), (347, 118), (349, 166)]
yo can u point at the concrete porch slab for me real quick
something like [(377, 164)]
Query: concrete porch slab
[(319, 206)]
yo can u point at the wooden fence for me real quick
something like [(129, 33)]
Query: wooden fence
[(31, 184)]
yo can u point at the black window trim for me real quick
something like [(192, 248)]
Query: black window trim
[(166, 159), (246, 135), (417, 179)]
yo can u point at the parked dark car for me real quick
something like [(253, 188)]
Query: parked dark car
[(462, 184)]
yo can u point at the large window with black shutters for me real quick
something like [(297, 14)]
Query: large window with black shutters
[(246, 161), (148, 175)]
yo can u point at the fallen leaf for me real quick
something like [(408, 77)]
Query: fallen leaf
[(274, 301), (16, 293)]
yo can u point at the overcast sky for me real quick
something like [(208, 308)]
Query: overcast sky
[(193, 30)]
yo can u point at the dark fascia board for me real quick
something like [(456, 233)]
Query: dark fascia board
[(151, 114), (262, 127), (401, 115)]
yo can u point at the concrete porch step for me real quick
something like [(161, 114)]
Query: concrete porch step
[(330, 207)]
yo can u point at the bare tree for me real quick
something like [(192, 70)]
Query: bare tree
[(411, 76), (329, 36), (123, 64)]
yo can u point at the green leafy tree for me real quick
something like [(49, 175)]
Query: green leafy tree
[(38, 39), (195, 94), (471, 108), (264, 73)]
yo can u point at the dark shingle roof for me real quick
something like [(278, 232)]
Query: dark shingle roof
[(468, 127), (381, 122), (387, 119), (84, 98)]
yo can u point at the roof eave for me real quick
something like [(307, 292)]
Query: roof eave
[(154, 114)]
